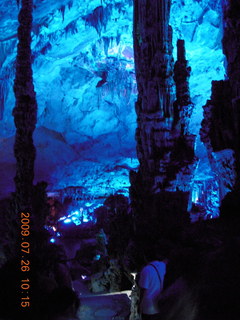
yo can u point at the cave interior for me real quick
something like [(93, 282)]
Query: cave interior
[(130, 142)]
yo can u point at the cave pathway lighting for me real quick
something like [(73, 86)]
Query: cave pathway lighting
[(67, 221), (88, 204), (77, 222), (79, 216), (76, 213)]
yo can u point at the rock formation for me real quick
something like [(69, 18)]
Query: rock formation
[(165, 149), (220, 126), (87, 118), (25, 111), (231, 48)]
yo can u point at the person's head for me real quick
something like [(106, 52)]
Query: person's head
[(149, 255), (159, 251)]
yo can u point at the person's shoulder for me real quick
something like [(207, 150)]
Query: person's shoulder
[(159, 264), (146, 270)]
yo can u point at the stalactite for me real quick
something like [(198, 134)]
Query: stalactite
[(118, 38), (94, 50), (71, 28), (46, 48), (70, 4), (99, 17), (62, 10), (36, 29)]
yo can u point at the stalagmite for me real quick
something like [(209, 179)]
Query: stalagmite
[(25, 111), (165, 148)]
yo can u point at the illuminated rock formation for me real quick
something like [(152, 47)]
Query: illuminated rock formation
[(86, 117), (220, 127), (165, 148), (162, 123)]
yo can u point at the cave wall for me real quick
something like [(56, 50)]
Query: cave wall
[(220, 126)]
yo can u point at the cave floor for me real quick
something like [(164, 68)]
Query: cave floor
[(113, 306), (93, 306)]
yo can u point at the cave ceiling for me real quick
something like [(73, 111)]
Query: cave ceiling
[(83, 67)]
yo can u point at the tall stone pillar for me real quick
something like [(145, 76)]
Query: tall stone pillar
[(154, 73), (164, 147), (25, 110)]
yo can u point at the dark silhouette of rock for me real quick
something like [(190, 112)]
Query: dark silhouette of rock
[(165, 148)]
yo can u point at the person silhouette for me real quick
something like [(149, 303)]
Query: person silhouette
[(151, 281)]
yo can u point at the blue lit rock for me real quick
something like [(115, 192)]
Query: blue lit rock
[(220, 126), (86, 89)]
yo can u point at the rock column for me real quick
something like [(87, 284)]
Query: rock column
[(25, 111), (164, 146)]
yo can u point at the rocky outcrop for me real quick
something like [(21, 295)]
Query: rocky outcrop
[(165, 148), (217, 131), (161, 121), (153, 57), (154, 73), (183, 106), (220, 126), (231, 48)]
